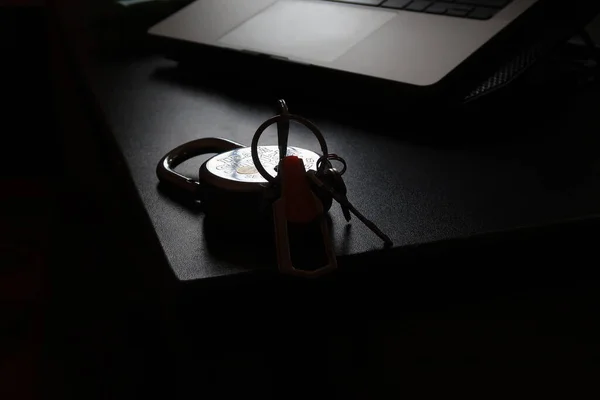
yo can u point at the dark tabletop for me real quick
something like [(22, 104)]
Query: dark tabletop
[(417, 189)]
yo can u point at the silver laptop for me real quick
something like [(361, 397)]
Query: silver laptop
[(412, 42)]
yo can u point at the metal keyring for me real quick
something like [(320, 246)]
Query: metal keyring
[(280, 118), (331, 157)]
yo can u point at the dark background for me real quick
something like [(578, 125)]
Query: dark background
[(84, 313)]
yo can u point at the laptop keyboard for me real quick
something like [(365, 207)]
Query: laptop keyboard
[(474, 9)]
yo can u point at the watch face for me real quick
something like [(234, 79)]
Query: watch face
[(237, 165)]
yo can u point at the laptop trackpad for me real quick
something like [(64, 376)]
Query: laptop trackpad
[(300, 29)]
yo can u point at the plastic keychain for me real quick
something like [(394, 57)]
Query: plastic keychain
[(299, 214)]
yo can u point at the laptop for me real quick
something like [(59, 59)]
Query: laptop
[(411, 42)]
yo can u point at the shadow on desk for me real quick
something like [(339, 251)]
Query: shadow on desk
[(240, 243)]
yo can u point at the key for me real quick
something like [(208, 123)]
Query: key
[(333, 178), (343, 200)]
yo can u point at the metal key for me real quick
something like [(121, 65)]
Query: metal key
[(342, 199), (333, 178)]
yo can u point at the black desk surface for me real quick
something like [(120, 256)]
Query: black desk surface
[(539, 172)]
